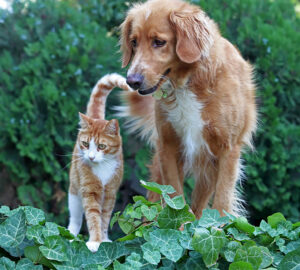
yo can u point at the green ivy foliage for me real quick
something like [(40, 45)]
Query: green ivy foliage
[(161, 235)]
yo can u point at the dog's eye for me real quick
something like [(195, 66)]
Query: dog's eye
[(134, 43), (158, 43)]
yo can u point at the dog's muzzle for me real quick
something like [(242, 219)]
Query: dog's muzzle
[(155, 87)]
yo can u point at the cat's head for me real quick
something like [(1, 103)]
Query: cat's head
[(98, 140)]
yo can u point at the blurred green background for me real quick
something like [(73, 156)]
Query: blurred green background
[(53, 52)]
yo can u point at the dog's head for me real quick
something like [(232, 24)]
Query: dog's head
[(161, 38)]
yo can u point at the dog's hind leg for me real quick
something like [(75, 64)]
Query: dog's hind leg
[(205, 175)]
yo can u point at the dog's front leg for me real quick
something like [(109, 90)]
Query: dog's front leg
[(169, 156)]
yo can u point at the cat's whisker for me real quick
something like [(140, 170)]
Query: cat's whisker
[(72, 161)]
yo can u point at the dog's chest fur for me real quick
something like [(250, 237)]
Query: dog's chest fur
[(184, 113)]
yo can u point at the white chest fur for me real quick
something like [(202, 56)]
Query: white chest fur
[(105, 170), (185, 116)]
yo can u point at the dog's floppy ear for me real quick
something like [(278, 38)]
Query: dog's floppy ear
[(193, 34), (125, 42)]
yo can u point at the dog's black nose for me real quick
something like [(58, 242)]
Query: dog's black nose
[(135, 80)]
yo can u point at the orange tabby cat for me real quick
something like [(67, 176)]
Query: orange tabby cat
[(97, 165)]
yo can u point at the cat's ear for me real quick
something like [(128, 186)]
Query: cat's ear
[(112, 127), (85, 121)]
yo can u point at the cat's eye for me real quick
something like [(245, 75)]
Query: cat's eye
[(101, 146), (85, 144), (158, 43)]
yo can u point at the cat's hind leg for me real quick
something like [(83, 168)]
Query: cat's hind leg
[(76, 213)]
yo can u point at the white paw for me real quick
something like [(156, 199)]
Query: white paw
[(74, 229), (92, 245)]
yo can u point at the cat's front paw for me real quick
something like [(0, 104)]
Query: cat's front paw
[(92, 245)]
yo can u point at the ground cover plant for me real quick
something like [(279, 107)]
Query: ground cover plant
[(154, 239)]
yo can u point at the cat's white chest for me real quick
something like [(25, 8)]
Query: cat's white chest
[(185, 116), (105, 170)]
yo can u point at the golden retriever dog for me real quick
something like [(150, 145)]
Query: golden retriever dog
[(206, 112)]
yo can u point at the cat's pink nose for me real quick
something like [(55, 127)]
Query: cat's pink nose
[(91, 158)]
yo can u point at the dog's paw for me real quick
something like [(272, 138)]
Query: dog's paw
[(92, 245)]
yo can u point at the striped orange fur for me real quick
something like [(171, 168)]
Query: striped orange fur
[(97, 165)]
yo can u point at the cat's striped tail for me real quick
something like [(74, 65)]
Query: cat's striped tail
[(96, 104)]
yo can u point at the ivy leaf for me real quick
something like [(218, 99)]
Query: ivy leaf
[(149, 212), (108, 252), (126, 225), (13, 230), (172, 219), (276, 218), (208, 244), (5, 210), (194, 261), (134, 260), (242, 224), (114, 219), (240, 266), (6, 264), (54, 249), (175, 203), (230, 250), (26, 264), (238, 235), (65, 233), (142, 199), (35, 233), (267, 258), (50, 229), (291, 246), (33, 215), (186, 240), (265, 227), (157, 188), (252, 255), (119, 266), (166, 240), (33, 253), (291, 261), (211, 217), (18, 251), (151, 254)]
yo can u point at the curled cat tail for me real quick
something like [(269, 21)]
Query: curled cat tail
[(139, 114), (96, 105)]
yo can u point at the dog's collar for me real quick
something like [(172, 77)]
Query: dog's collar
[(161, 93)]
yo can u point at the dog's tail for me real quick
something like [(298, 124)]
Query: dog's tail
[(139, 114)]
